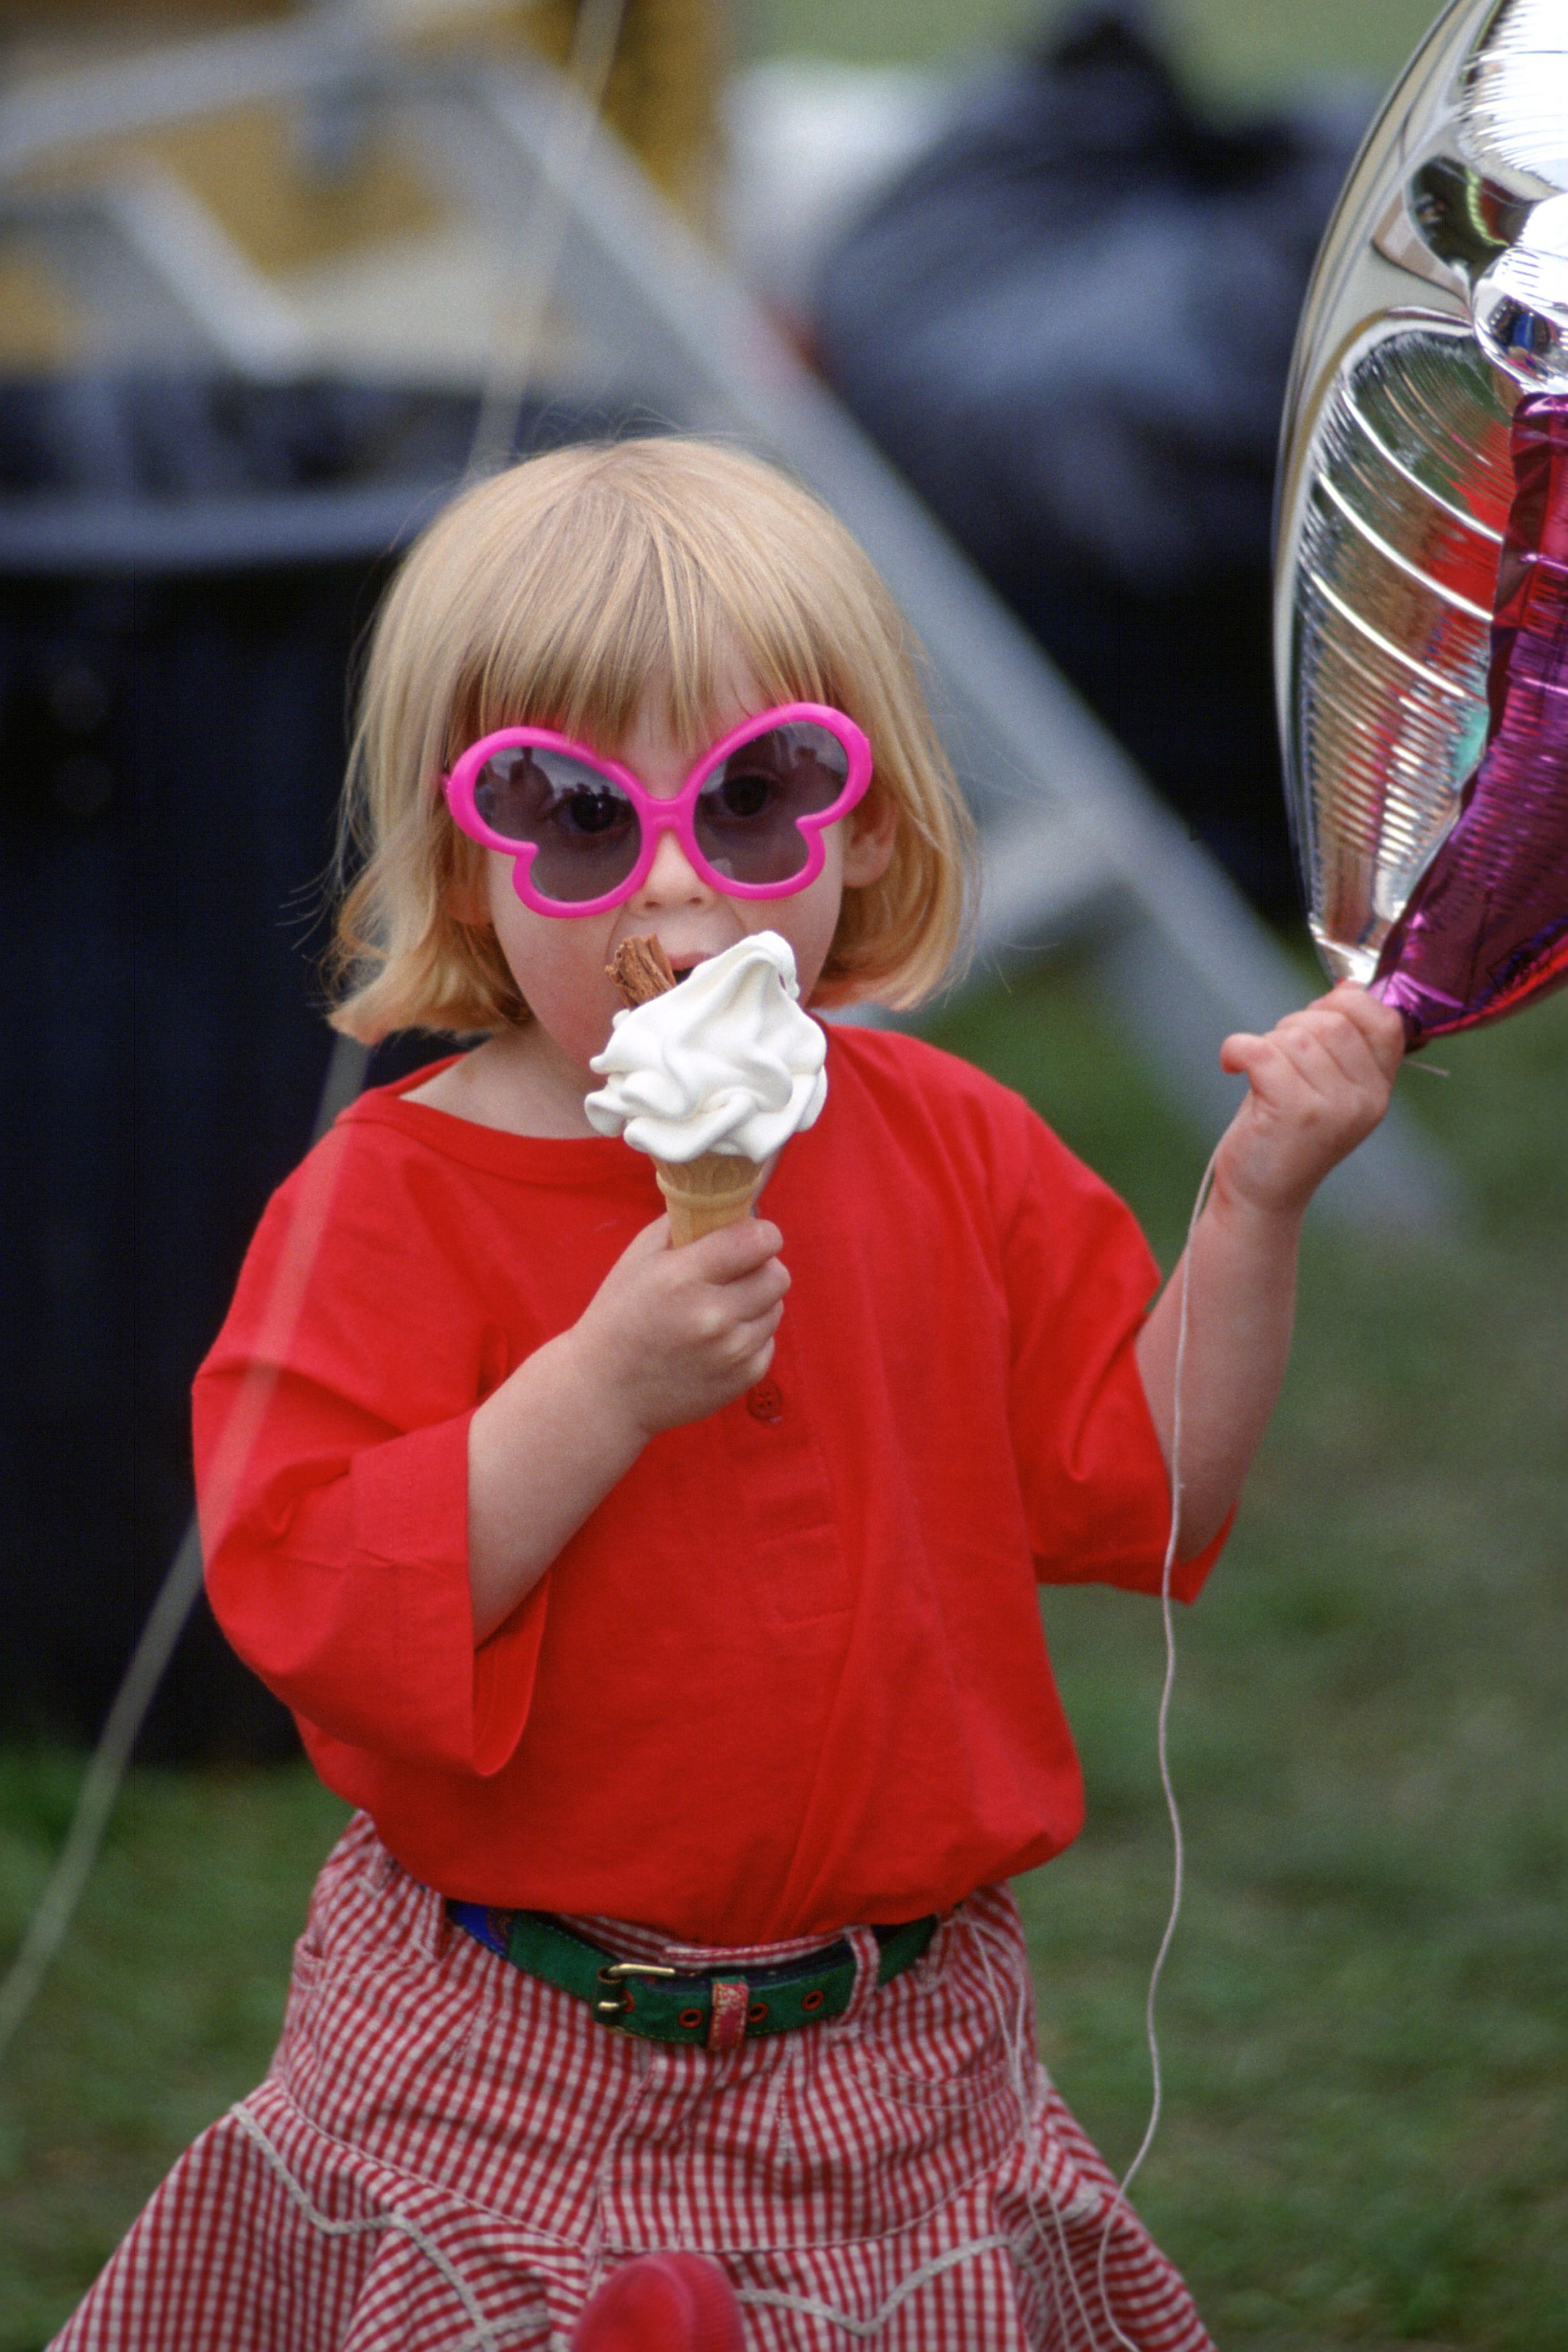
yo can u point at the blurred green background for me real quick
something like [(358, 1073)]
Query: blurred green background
[(1365, 2020), (1238, 47)]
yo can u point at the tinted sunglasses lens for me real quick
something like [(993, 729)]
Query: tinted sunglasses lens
[(748, 813), (582, 827)]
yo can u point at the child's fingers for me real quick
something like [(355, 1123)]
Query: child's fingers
[(1244, 1055), (724, 1344), (1329, 1051), (727, 1256), (1377, 1023), (717, 1311), (1290, 1035), (1306, 1076), (753, 1294), (1355, 1055), (1346, 1038), (734, 1251), (648, 1243), (756, 1332), (1300, 1076), (1241, 1051)]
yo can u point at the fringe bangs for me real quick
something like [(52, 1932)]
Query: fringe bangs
[(562, 593)]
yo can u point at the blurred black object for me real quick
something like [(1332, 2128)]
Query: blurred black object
[(1071, 324), (184, 569)]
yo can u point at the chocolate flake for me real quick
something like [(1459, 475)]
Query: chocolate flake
[(640, 970)]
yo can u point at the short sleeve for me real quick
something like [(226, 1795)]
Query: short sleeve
[(331, 1436), (1080, 1279)]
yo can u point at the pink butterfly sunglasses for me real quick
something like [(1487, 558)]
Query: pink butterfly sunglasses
[(583, 831)]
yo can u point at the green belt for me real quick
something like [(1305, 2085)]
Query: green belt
[(712, 2009)]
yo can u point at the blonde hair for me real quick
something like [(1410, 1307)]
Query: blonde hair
[(560, 593)]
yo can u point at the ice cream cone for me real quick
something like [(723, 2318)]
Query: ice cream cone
[(716, 1188), (725, 1054)]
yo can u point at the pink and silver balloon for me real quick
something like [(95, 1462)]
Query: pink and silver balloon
[(1422, 582)]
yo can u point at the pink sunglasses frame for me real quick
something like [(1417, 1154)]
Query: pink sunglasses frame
[(656, 814)]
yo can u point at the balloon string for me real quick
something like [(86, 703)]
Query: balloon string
[(523, 306), (50, 1921)]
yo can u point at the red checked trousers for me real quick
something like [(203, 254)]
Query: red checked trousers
[(448, 2156)]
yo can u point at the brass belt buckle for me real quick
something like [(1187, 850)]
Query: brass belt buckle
[(613, 1973)]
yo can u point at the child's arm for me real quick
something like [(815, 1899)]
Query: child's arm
[(1317, 1085), (669, 1337)]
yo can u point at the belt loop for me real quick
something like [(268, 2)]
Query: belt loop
[(726, 2023), (868, 1967)]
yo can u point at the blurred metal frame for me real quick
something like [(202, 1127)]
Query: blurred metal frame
[(148, 255), (1075, 845)]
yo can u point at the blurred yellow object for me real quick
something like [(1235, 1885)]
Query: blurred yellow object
[(40, 325), (284, 209), (286, 205), (663, 91), (337, 213), (328, 198)]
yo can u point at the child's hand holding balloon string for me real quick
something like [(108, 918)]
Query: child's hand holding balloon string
[(1317, 1085)]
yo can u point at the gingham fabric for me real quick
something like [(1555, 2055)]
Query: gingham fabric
[(448, 2156)]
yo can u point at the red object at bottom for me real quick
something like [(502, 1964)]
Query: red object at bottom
[(662, 2303)]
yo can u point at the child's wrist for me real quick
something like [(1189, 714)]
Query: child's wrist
[(1237, 1208), (590, 1368)]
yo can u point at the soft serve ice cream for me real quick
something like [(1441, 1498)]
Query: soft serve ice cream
[(727, 1062), (713, 1077)]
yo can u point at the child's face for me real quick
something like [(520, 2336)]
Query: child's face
[(559, 961)]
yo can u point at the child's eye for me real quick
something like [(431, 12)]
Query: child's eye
[(741, 795), (588, 811)]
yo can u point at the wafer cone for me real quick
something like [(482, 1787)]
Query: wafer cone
[(716, 1188)]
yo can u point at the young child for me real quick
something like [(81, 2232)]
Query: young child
[(670, 1616)]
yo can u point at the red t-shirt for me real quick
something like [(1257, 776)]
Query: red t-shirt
[(790, 1675)]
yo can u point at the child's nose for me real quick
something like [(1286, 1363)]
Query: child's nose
[(671, 880)]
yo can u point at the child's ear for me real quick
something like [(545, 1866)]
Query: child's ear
[(869, 830)]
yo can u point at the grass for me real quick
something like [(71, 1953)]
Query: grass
[(1365, 2027), (162, 2008)]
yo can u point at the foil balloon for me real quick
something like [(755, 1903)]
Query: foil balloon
[(1422, 582)]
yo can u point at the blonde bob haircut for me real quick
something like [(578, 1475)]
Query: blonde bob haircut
[(560, 593)]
